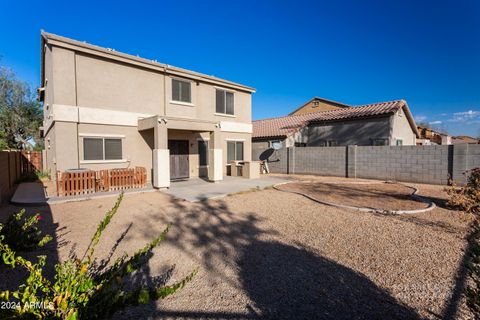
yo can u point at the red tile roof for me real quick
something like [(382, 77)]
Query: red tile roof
[(284, 126)]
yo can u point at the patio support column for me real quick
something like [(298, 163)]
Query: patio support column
[(161, 156), (215, 160)]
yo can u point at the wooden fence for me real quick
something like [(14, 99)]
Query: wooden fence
[(88, 182), (15, 165)]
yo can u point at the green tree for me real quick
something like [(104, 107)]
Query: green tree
[(20, 113)]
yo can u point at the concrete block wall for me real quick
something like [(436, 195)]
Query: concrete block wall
[(423, 164), (473, 159), (318, 160), (427, 164)]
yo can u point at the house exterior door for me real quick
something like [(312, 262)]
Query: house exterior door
[(179, 161)]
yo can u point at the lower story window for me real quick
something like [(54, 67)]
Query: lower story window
[(202, 153), (234, 151), (399, 142), (102, 149)]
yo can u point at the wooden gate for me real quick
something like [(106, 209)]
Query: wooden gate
[(179, 159)]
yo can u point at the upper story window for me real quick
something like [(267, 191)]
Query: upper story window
[(181, 90), (224, 102)]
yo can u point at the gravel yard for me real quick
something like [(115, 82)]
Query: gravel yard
[(278, 255)]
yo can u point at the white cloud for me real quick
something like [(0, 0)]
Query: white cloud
[(420, 118), (436, 122), (465, 116)]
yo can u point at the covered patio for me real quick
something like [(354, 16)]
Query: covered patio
[(164, 128)]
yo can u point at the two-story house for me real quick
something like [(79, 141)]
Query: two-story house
[(104, 109)]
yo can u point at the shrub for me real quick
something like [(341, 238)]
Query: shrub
[(467, 198), (22, 234), (82, 290), (473, 289)]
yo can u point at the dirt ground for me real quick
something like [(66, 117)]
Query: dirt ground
[(384, 196), (271, 254)]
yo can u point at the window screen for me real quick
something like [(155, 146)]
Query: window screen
[(239, 151), (203, 153), (92, 149), (234, 151), (113, 149), (224, 102), (181, 91), (220, 101), (229, 103), (230, 151)]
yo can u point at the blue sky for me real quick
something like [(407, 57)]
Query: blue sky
[(356, 52)]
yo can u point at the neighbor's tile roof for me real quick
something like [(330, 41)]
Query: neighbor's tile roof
[(283, 126)]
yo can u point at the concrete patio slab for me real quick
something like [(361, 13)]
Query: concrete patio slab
[(194, 190), (29, 193), (99, 195)]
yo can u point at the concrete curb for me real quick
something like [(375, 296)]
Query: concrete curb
[(414, 195)]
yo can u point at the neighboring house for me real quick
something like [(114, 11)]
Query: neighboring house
[(104, 109), (317, 104), (386, 123), (429, 136), (464, 139)]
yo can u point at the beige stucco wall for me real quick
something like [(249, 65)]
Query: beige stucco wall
[(136, 150), (65, 146), (401, 129), (79, 83), (110, 85), (95, 82)]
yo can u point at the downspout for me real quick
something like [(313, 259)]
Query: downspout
[(78, 109), (165, 91)]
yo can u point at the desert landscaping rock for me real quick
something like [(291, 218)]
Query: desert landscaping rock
[(277, 255)]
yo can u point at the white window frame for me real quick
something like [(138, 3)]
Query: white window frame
[(225, 102)]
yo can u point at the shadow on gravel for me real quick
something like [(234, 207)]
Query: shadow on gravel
[(282, 281), (287, 282)]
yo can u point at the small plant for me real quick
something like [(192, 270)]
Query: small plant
[(42, 175), (467, 198), (22, 234), (82, 290)]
